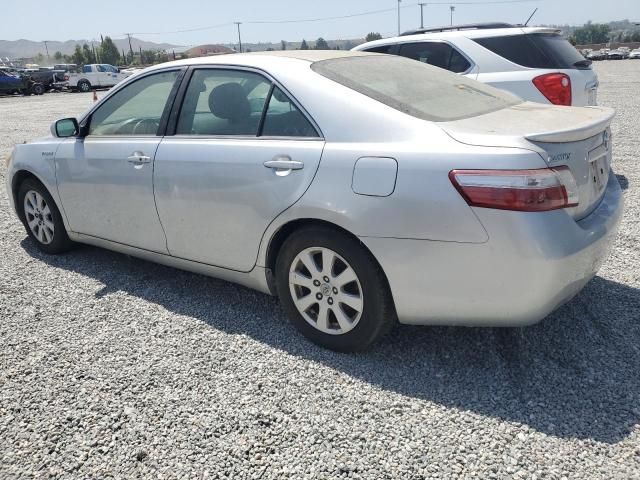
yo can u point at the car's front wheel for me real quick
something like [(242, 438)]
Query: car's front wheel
[(333, 290), (42, 218), (84, 86)]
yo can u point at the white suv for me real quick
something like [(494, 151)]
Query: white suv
[(535, 63)]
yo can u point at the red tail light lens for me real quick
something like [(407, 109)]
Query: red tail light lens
[(66, 78), (556, 87), (538, 190)]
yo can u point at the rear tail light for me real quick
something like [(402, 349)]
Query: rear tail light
[(66, 78), (556, 87), (520, 190)]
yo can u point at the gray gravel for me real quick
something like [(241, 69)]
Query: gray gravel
[(111, 367)]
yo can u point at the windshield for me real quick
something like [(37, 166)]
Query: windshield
[(414, 88)]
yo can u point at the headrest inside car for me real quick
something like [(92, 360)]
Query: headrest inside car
[(229, 101)]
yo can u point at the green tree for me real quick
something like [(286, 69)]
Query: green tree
[(283, 45), (78, 56), (39, 58), (58, 56), (592, 33), (109, 52), (87, 53), (321, 44), (373, 36), (303, 45)]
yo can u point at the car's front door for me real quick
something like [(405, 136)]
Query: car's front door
[(242, 153), (105, 179)]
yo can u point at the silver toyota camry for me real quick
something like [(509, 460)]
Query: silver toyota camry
[(362, 189)]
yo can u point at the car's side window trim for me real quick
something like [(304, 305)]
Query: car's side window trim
[(85, 121), (180, 97), (265, 109)]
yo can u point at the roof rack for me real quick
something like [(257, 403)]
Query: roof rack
[(454, 28)]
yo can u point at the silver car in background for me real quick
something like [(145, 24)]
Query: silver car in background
[(363, 189)]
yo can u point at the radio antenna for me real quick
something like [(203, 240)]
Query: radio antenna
[(530, 17)]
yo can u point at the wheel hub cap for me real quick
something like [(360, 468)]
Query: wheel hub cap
[(38, 216), (326, 290)]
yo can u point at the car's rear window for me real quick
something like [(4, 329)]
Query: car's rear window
[(417, 89), (536, 50)]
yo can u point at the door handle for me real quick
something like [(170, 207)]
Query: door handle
[(284, 164), (138, 158)]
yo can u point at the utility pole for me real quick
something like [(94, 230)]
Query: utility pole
[(399, 17), (422, 5), (130, 48), (453, 9), (239, 37), (46, 47)]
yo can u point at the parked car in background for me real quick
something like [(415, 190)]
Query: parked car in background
[(597, 55), (617, 54), (438, 200), (23, 84), (635, 54), (535, 63), (94, 76), (50, 78)]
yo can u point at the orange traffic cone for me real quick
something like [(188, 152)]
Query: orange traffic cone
[(95, 96)]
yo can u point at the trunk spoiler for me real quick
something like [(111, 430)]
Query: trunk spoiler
[(586, 128)]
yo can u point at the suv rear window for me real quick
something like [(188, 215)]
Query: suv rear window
[(536, 50), (422, 91)]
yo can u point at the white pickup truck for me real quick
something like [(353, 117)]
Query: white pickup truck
[(94, 76)]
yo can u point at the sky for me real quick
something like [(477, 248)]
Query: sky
[(45, 20)]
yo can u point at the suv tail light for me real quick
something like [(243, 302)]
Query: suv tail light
[(66, 78), (537, 190), (556, 87)]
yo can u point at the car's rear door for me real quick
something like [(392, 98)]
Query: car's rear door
[(105, 179), (242, 152)]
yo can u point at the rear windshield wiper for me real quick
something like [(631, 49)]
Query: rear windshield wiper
[(583, 63)]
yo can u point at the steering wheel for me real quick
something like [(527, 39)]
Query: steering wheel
[(146, 126)]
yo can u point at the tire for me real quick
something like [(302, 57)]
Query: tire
[(305, 295), (38, 89), (41, 218), (84, 86)]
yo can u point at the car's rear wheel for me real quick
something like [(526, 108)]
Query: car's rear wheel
[(42, 218), (333, 290), (84, 86)]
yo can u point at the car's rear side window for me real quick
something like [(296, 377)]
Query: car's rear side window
[(536, 50), (438, 54), (380, 49), (417, 89)]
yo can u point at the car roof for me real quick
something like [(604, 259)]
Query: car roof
[(461, 31), (259, 59)]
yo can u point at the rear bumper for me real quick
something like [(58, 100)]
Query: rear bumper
[(531, 264)]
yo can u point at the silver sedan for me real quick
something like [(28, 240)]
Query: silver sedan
[(362, 189)]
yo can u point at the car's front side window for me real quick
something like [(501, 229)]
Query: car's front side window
[(137, 108), (223, 102)]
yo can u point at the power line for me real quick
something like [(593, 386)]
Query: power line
[(335, 17)]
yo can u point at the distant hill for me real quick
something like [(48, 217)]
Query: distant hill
[(29, 48)]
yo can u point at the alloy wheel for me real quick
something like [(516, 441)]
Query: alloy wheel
[(326, 290), (38, 217)]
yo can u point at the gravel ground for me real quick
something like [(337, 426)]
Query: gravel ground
[(111, 367)]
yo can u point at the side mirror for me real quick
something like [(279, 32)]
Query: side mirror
[(67, 127)]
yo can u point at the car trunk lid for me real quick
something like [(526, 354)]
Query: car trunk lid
[(576, 137)]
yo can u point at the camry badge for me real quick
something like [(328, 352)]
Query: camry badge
[(561, 157)]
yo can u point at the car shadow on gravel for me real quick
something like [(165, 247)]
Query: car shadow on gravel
[(575, 375)]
